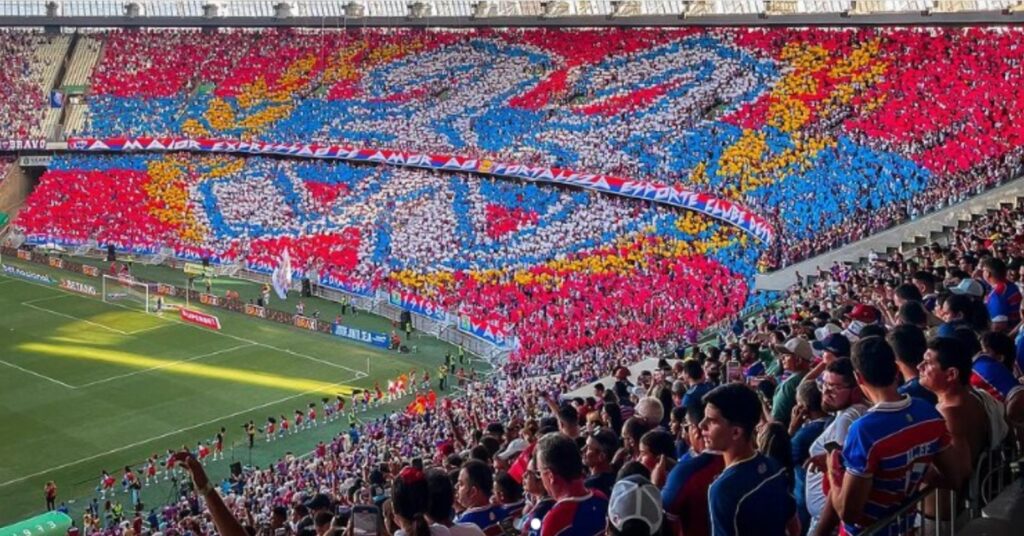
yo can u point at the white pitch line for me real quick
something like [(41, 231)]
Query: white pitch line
[(48, 298), (90, 322), (37, 375), (168, 434), (359, 374), (165, 365)]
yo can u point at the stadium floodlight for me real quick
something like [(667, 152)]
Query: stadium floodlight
[(212, 10), (483, 10), (1015, 8), (282, 10), (418, 10), (696, 8), (626, 8), (355, 9), (132, 10), (555, 8), (780, 7)]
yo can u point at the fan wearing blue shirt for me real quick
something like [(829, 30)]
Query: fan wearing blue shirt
[(909, 344), (752, 494), (697, 384)]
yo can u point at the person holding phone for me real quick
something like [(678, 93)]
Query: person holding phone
[(223, 519)]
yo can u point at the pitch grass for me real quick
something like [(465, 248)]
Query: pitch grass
[(87, 386)]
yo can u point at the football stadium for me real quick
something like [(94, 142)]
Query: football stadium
[(538, 268)]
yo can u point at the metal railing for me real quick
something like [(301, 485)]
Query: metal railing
[(994, 472)]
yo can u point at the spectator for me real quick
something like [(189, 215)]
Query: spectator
[(909, 345), (440, 498), (684, 495), (859, 491), (808, 422), (796, 355), (597, 456), (841, 398), (634, 508), (696, 382), (1004, 300), (752, 493), (578, 511), (475, 487)]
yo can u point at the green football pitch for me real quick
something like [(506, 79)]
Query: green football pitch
[(87, 385)]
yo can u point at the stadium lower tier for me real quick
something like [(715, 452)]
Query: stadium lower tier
[(561, 270)]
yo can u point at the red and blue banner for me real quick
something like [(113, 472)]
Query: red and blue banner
[(710, 205), (484, 331), (418, 305)]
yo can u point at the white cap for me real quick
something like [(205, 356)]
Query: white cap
[(634, 497)]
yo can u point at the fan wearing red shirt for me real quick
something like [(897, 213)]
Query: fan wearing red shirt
[(578, 511)]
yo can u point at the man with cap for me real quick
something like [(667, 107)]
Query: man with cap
[(634, 508), (796, 355), (503, 459), (861, 315)]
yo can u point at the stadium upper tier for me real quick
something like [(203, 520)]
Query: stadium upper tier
[(813, 129), (602, 270)]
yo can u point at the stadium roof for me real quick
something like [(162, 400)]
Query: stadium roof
[(453, 9)]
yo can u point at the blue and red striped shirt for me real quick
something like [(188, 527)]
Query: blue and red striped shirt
[(894, 443), (577, 516), (991, 376)]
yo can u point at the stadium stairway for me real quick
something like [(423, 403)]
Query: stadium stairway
[(905, 238)]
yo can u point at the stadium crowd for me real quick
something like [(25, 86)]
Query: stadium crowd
[(23, 102), (879, 126), (597, 269), (828, 413)]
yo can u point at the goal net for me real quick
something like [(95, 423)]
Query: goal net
[(127, 292)]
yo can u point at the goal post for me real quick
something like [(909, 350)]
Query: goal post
[(127, 292)]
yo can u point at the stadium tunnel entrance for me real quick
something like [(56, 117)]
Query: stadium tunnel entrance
[(17, 181)]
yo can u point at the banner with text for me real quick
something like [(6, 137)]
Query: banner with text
[(416, 304), (200, 318), (14, 271), (484, 331), (368, 337)]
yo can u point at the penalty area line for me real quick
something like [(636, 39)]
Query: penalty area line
[(37, 375)]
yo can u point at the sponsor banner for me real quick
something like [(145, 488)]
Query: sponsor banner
[(192, 268), (165, 289), (57, 262), (304, 322), (416, 304), (255, 310), (484, 331), (22, 145), (24, 255), (79, 287), (90, 271), (209, 299), (368, 337), (709, 205), (199, 318), (35, 161), (14, 271)]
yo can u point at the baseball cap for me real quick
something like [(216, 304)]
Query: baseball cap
[(823, 332), (634, 497), (797, 346), (513, 449), (970, 287), (837, 343), (864, 313)]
